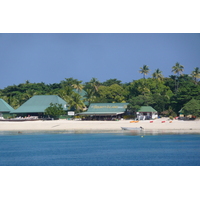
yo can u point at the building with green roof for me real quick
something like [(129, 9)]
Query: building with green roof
[(105, 110), (147, 112), (5, 109), (37, 104)]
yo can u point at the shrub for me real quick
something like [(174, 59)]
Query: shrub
[(54, 110), (168, 113), (171, 117)]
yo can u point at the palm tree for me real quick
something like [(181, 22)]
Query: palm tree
[(89, 96), (29, 93), (144, 70), (75, 102), (27, 82), (158, 75), (196, 74), (143, 88), (177, 69), (70, 82), (95, 84), (78, 87)]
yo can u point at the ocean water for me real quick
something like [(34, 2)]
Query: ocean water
[(98, 149)]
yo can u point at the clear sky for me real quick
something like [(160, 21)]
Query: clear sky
[(50, 58)]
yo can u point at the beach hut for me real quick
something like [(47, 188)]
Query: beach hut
[(5, 109), (37, 104), (146, 112), (105, 111)]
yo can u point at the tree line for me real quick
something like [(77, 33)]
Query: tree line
[(167, 95)]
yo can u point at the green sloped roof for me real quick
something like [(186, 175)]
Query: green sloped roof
[(38, 104), (5, 107), (105, 109), (82, 92), (146, 109)]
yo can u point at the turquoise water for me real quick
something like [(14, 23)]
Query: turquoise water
[(98, 149)]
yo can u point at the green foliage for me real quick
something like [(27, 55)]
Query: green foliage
[(150, 92), (158, 75), (161, 102), (69, 82), (90, 96), (112, 94), (196, 74), (162, 93), (168, 113), (144, 70), (74, 100), (192, 108), (111, 82), (171, 117), (54, 110), (178, 69), (93, 85)]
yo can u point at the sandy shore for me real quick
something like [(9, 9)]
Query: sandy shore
[(84, 126)]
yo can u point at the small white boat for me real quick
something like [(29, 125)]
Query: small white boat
[(132, 128)]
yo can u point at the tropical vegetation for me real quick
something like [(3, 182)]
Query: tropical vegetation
[(168, 95), (192, 108), (54, 110)]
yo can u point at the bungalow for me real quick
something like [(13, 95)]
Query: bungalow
[(146, 112), (5, 109), (37, 104), (105, 111)]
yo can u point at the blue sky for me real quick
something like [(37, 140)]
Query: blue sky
[(50, 58)]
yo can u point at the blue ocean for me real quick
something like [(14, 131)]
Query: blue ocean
[(98, 149)]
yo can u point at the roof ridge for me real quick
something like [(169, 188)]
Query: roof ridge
[(5, 106)]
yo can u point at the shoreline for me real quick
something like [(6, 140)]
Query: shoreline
[(150, 126)]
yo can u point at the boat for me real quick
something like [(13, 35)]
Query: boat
[(132, 128)]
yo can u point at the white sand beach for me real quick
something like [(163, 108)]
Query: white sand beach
[(160, 125)]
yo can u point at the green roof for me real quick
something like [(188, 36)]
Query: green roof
[(38, 104), (5, 107), (105, 109), (80, 92), (146, 109)]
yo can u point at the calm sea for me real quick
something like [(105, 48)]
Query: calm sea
[(98, 149)]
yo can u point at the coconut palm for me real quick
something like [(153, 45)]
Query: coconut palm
[(78, 87), (65, 92), (196, 74), (76, 103), (27, 82), (143, 87), (177, 69), (69, 82), (89, 96), (29, 93), (144, 70), (95, 84), (158, 75)]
